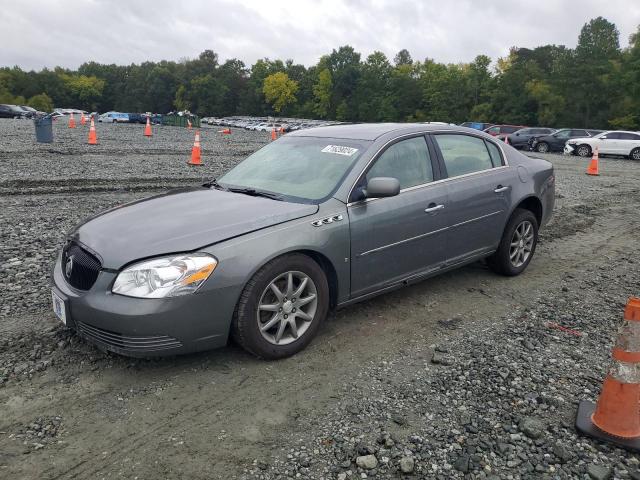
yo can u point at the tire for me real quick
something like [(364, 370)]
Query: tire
[(502, 261), (583, 150), (542, 147), (248, 327), (635, 154)]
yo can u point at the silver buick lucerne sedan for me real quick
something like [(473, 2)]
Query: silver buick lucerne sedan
[(314, 221)]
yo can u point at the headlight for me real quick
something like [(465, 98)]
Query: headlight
[(165, 277)]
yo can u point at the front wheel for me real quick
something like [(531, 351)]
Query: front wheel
[(281, 307), (518, 244), (635, 154), (584, 150), (542, 147)]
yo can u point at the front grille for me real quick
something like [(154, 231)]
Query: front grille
[(125, 343), (79, 267)]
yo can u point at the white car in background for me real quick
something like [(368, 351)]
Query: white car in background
[(616, 142)]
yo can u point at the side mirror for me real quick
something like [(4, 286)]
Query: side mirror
[(517, 134), (380, 187), (603, 138)]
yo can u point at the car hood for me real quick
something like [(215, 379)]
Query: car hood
[(180, 221)]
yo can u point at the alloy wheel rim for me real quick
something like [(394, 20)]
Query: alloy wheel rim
[(287, 308), (583, 151), (542, 148), (521, 244), (636, 155)]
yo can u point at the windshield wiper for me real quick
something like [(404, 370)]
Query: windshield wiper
[(214, 183), (256, 193)]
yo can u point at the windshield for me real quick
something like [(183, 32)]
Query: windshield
[(301, 168)]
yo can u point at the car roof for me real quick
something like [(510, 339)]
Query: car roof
[(369, 131)]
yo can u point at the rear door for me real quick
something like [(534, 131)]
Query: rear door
[(610, 144), (628, 141), (396, 237), (479, 187)]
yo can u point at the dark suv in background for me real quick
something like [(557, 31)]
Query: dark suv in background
[(555, 142), (520, 139), (13, 111)]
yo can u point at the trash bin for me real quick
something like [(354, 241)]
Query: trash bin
[(44, 129)]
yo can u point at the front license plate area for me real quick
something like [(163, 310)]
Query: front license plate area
[(59, 307)]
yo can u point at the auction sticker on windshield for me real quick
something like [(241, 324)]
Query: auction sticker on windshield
[(340, 150), (58, 307)]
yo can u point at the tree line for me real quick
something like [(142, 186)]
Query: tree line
[(595, 85)]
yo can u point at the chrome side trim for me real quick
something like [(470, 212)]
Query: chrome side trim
[(423, 133), (424, 235), (384, 247), (476, 219)]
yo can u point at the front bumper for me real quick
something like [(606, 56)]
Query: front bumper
[(140, 327), (569, 149)]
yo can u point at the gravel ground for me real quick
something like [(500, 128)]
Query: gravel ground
[(464, 375)]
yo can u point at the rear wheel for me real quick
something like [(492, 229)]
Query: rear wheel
[(584, 150), (635, 154), (282, 307), (518, 244), (542, 147)]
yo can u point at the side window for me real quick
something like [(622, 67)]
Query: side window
[(579, 133), (463, 154), (494, 130), (563, 134), (629, 136), (494, 152), (407, 160), (613, 136)]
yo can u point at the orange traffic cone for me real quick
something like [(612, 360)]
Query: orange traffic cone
[(188, 124), (93, 139), (506, 139), (592, 169), (281, 130), (147, 129), (82, 119), (616, 417), (72, 121), (273, 134), (195, 151)]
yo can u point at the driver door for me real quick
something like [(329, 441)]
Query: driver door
[(395, 237)]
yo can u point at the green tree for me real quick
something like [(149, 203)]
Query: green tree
[(322, 93), (279, 90), (41, 102)]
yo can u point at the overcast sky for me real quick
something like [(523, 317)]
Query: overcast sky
[(35, 34)]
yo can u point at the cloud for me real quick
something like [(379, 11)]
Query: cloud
[(70, 32)]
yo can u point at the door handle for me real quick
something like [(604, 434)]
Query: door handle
[(433, 208), (500, 189)]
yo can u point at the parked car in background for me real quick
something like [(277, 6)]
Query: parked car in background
[(31, 110), (556, 141), (114, 117), (6, 111), (137, 118), (14, 111), (317, 220), (615, 142), (476, 125), (502, 130), (520, 138)]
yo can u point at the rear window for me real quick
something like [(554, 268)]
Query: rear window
[(494, 153), (463, 154)]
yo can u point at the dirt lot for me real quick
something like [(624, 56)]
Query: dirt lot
[(464, 374)]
